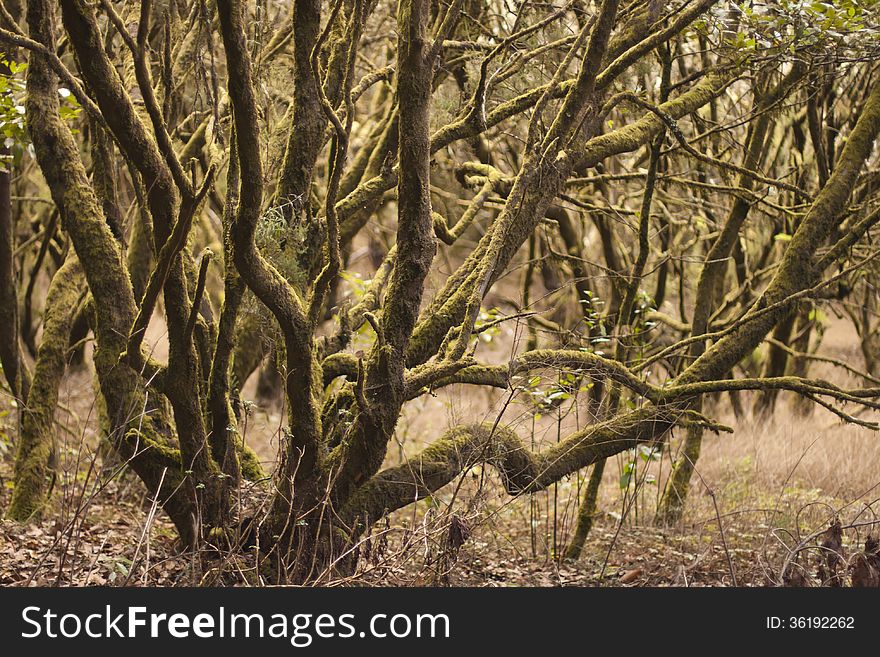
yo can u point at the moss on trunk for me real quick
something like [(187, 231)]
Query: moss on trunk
[(58, 156), (35, 456)]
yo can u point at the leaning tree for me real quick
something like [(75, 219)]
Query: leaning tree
[(654, 191)]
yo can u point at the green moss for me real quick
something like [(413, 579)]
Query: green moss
[(34, 469), (251, 468)]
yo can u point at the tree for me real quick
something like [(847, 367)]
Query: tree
[(303, 140)]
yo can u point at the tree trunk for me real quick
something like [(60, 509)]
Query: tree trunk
[(36, 455)]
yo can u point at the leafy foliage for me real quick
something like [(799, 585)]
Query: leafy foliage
[(13, 128)]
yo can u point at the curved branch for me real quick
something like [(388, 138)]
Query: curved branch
[(522, 470)]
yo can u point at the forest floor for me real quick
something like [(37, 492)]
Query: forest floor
[(759, 492), (114, 540)]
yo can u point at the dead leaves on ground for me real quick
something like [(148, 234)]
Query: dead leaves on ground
[(92, 553)]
